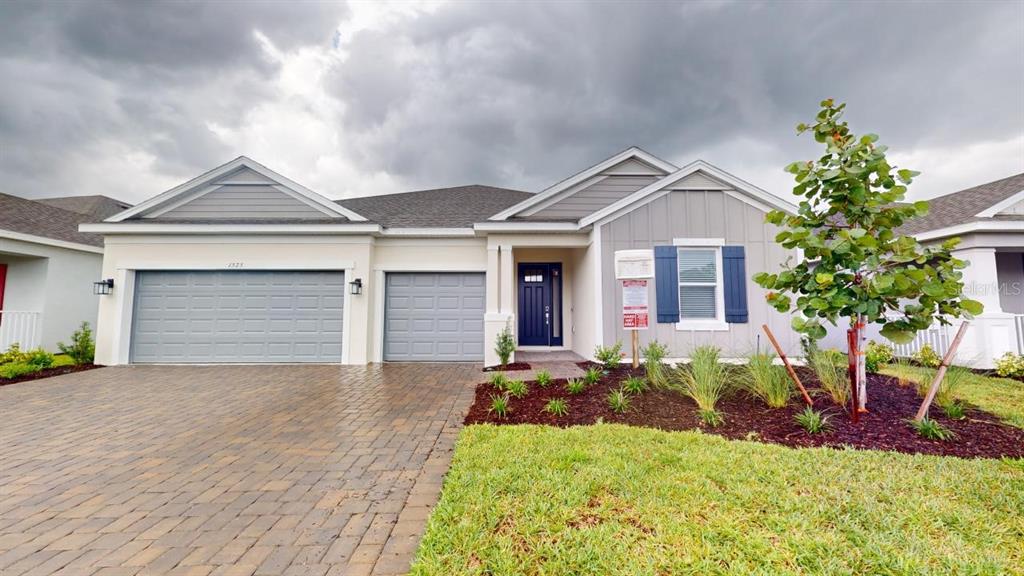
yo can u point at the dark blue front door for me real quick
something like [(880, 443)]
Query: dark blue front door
[(540, 295)]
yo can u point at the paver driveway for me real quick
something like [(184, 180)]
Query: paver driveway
[(225, 469)]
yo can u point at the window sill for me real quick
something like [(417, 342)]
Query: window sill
[(702, 326)]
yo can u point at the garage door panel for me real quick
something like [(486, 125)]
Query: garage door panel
[(427, 319), (238, 316)]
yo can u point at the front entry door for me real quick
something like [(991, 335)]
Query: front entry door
[(540, 304)]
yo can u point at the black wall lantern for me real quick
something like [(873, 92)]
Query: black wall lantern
[(356, 286), (103, 287)]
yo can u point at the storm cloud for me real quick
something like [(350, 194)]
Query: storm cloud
[(129, 99)]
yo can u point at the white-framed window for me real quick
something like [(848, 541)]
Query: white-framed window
[(701, 290)]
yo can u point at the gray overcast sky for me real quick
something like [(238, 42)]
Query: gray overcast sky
[(129, 99)]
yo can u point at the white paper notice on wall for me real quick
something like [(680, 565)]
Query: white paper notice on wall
[(631, 264)]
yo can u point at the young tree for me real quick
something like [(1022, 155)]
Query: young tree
[(855, 264)]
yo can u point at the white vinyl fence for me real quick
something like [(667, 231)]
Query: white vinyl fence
[(20, 327)]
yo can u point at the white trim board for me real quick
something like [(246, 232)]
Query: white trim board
[(988, 226), (630, 153), (294, 188), (33, 239), (228, 228), (664, 186), (1000, 206)]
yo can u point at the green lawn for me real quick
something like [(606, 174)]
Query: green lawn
[(612, 499), (1000, 396)]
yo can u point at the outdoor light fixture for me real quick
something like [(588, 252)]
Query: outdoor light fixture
[(103, 287), (356, 286)]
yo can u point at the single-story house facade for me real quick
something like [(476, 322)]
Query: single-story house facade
[(242, 264), (989, 220), (47, 267)]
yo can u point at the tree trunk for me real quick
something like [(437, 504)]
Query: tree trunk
[(862, 372)]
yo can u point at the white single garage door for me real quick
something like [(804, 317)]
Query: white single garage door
[(238, 316), (434, 317)]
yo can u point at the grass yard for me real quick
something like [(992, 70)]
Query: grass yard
[(613, 499), (1000, 396)]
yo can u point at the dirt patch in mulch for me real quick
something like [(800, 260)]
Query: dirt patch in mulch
[(885, 427), (508, 367), (48, 372)]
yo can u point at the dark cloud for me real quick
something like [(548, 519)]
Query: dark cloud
[(557, 87), (513, 94)]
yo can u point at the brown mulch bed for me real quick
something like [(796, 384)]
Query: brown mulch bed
[(979, 435), (508, 367), (48, 372)]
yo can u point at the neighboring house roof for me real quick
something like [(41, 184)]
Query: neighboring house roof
[(987, 203), (457, 207), (99, 206), (30, 218)]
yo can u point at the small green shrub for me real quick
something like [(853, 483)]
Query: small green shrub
[(499, 405), (954, 380), (712, 418), (831, 370), (17, 369), (13, 355), (634, 385), (516, 388), (592, 375), (504, 346), (575, 386), (618, 401), (499, 380), (1010, 365), (927, 357), (654, 354), (543, 378), (609, 356), (932, 430), (813, 421), (955, 411), (82, 348), (704, 379), (557, 407), (876, 355), (767, 381), (39, 357)]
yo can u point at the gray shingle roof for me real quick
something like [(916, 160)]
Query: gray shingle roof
[(38, 219), (101, 207), (457, 207), (961, 207)]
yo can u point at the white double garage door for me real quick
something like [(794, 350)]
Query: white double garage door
[(298, 316)]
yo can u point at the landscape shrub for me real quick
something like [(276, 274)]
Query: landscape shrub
[(654, 353), (82, 348), (876, 355), (767, 381), (592, 375), (954, 380), (39, 357), (932, 430), (618, 401), (634, 385), (499, 405), (830, 366), (13, 370), (1010, 365), (516, 388), (705, 381), (543, 378), (927, 357), (575, 385), (499, 380), (813, 421), (609, 356), (13, 355), (504, 346), (556, 407)]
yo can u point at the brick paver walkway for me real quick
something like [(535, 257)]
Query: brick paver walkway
[(226, 470)]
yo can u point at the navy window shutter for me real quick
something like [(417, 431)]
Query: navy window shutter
[(735, 276), (666, 281)]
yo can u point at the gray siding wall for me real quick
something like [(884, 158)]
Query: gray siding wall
[(696, 214), (255, 201), (595, 197)]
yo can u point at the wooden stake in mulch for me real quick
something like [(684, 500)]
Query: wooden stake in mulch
[(851, 346), (785, 361), (941, 373)]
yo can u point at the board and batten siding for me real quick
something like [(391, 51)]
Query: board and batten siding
[(244, 201), (593, 197), (696, 214)]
